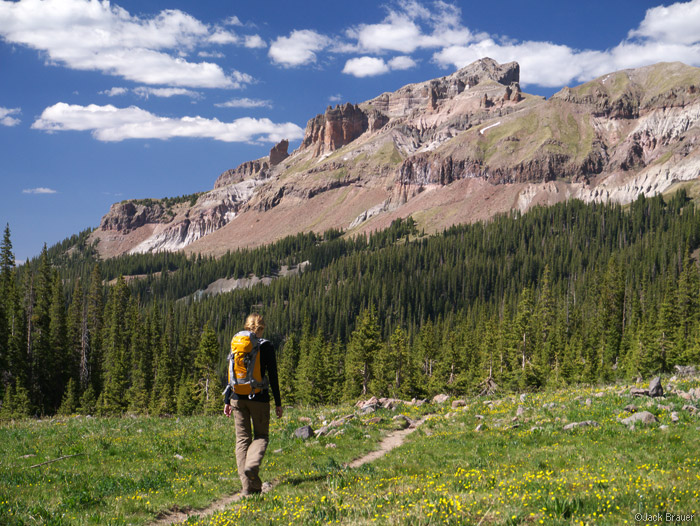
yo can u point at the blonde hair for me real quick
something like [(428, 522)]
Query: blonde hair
[(254, 322)]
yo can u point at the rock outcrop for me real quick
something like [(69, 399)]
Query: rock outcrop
[(279, 152), (432, 94), (127, 216), (258, 169), (339, 126)]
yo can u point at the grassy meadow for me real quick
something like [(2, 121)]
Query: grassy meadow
[(516, 469)]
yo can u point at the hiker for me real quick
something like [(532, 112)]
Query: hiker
[(252, 373)]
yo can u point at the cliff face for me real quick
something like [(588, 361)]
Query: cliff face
[(453, 149), (339, 126)]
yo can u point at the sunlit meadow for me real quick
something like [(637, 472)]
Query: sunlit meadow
[(516, 469)]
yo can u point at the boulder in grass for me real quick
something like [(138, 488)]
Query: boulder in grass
[(636, 391), (691, 409), (643, 417), (305, 432), (586, 423), (685, 370), (655, 388), (458, 403), (440, 398), (631, 408)]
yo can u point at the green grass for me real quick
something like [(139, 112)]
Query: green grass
[(129, 469), (524, 471)]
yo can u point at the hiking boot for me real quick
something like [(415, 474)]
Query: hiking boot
[(250, 493), (249, 473)]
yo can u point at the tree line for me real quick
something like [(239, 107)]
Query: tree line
[(573, 293)]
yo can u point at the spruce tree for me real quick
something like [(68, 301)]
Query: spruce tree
[(94, 324), (310, 381), (116, 359), (365, 342), (69, 403), (206, 365), (287, 367), (60, 360), (42, 358), (186, 397)]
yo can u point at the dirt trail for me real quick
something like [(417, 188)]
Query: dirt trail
[(391, 441)]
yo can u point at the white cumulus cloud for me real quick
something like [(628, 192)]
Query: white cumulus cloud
[(666, 34), (109, 123), (38, 191), (401, 63), (245, 103), (254, 41), (365, 67), (6, 116), (299, 48), (373, 66), (677, 23), (98, 36), (411, 26)]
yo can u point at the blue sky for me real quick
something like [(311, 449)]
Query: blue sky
[(106, 101)]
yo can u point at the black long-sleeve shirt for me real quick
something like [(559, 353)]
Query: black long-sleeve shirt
[(268, 366)]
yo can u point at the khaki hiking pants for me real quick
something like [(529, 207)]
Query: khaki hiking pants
[(251, 446)]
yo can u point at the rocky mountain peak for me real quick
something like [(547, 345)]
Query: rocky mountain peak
[(342, 124), (449, 150)]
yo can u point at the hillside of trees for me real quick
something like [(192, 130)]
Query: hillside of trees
[(567, 294)]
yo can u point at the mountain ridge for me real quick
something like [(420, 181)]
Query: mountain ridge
[(450, 150)]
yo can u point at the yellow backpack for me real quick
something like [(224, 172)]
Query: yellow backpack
[(244, 374)]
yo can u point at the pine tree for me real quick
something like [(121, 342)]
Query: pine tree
[(666, 330), (186, 397), (88, 402), (365, 343), (334, 372), (42, 359), (289, 359), (544, 320), (161, 395), (116, 359), (522, 328), (69, 403), (93, 336), (75, 350), (61, 367), (310, 382), (687, 306), (384, 371), (7, 263), (206, 364), (403, 383), (22, 404), (609, 320)]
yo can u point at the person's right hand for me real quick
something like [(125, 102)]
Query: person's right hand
[(227, 410)]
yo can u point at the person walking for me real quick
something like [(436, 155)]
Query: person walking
[(252, 373)]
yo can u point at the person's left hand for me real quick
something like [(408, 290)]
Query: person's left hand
[(279, 411), (227, 410)]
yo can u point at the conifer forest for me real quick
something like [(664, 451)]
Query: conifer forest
[(569, 294)]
